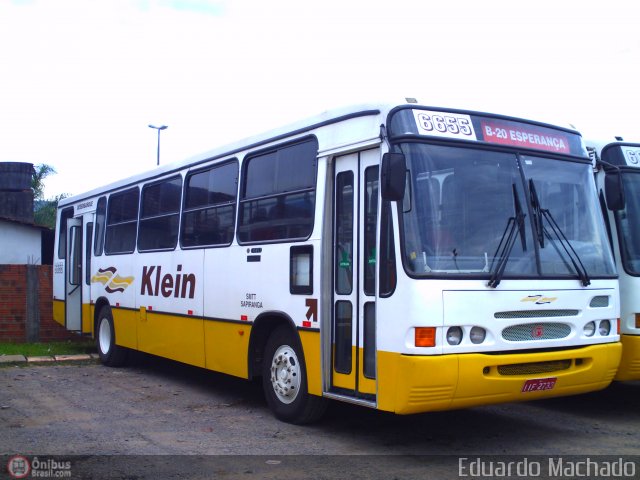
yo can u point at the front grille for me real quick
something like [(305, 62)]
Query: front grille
[(536, 313), (599, 301), (542, 331), (534, 368)]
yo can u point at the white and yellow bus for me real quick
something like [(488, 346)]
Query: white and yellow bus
[(618, 179), (402, 257)]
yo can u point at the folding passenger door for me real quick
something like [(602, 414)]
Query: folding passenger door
[(74, 275), (353, 355)]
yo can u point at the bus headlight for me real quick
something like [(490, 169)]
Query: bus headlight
[(477, 335), (589, 329), (604, 328), (454, 335)]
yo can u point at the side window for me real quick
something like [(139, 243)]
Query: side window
[(343, 268), (160, 215), (122, 222), (101, 216), (65, 215), (210, 206), (278, 195)]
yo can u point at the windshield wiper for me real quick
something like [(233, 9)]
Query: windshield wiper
[(540, 214), (537, 213), (507, 241)]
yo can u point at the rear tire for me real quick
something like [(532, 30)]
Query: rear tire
[(110, 354), (284, 380)]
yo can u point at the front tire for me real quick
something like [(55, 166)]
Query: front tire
[(284, 380), (110, 354)]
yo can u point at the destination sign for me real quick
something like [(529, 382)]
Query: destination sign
[(516, 134), (459, 125)]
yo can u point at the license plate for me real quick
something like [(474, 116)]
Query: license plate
[(538, 384)]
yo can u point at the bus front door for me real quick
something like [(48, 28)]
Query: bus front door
[(73, 282), (353, 355)]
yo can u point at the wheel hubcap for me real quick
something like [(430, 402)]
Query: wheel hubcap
[(285, 374), (104, 336)]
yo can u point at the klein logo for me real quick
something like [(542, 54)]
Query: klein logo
[(538, 331), (539, 299), (112, 282), (180, 285)]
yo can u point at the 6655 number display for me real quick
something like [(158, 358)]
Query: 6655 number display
[(444, 124)]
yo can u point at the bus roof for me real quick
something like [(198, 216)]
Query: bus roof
[(380, 109)]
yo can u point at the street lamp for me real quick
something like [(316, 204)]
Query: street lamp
[(162, 127)]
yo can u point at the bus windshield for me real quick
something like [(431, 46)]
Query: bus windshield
[(472, 212), (628, 220)]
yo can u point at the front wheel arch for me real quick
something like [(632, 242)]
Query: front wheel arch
[(263, 326), (284, 379)]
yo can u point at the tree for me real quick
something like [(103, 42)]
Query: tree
[(41, 171), (44, 211)]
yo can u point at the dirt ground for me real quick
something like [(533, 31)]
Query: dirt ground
[(155, 410)]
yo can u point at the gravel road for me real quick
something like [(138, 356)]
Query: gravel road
[(158, 409)]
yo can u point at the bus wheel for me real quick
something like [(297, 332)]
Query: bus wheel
[(110, 354), (284, 380)]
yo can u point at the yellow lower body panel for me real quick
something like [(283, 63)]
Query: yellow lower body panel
[(311, 346), (226, 346), (59, 311), (630, 363), (414, 384), (87, 317), (176, 337), (215, 345), (125, 323)]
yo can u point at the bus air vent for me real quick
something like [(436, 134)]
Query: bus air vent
[(536, 313), (534, 368), (542, 331), (599, 301)]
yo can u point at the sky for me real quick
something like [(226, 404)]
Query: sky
[(81, 80)]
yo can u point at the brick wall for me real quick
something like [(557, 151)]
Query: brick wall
[(14, 306)]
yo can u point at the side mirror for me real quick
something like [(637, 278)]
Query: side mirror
[(393, 175), (614, 190)]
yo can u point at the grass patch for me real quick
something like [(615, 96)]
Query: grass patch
[(51, 348)]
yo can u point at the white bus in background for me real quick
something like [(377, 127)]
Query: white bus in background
[(401, 257), (618, 180)]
